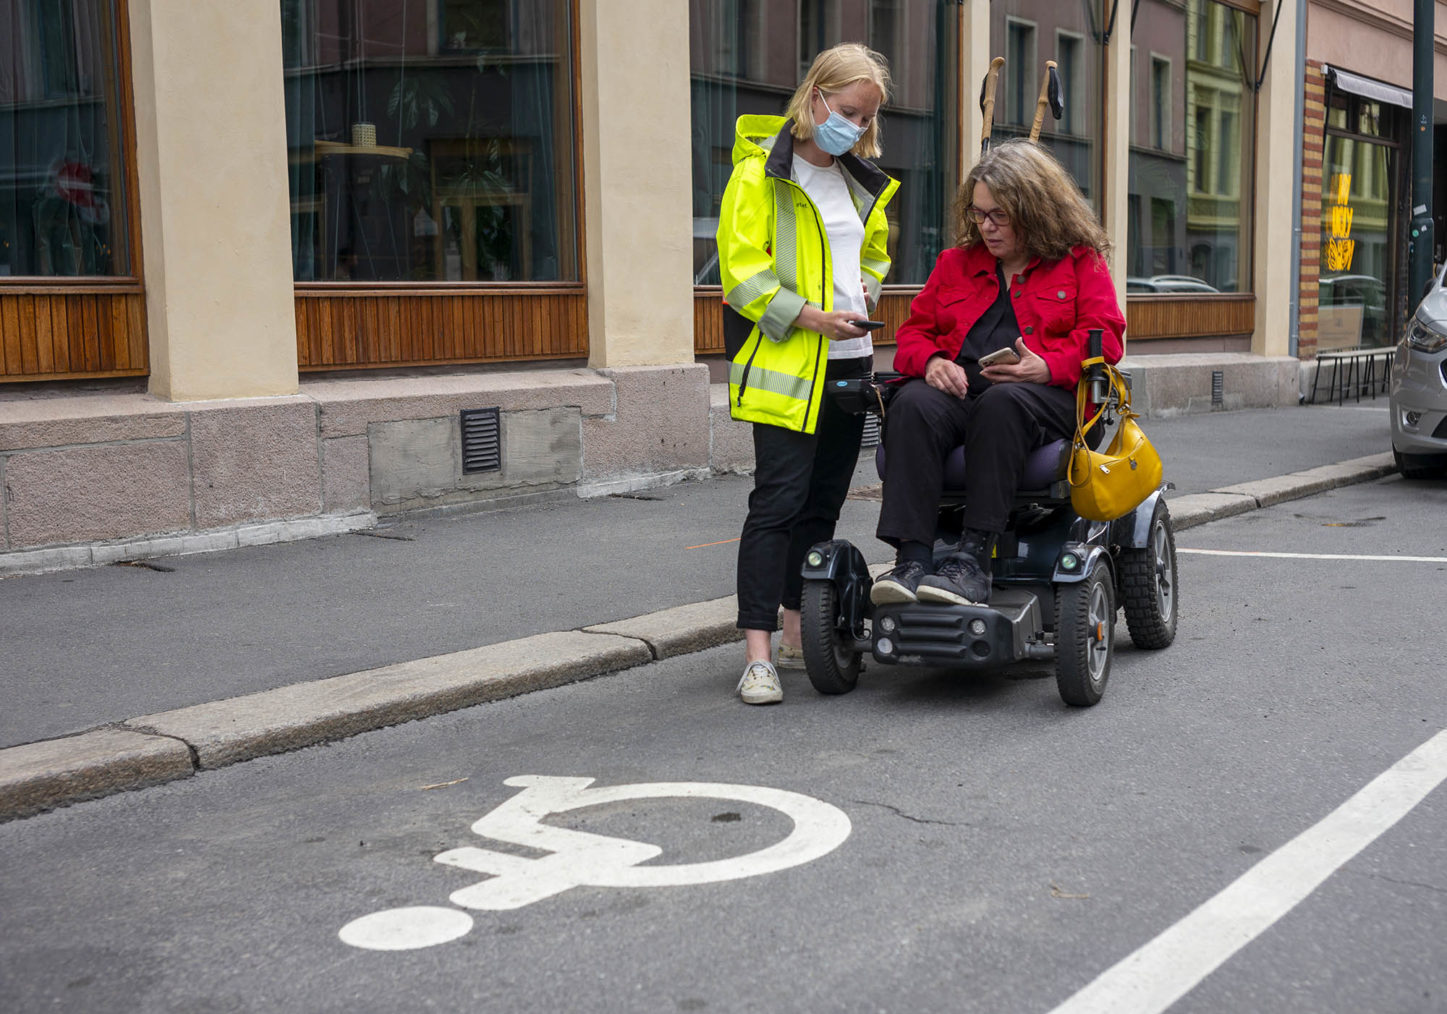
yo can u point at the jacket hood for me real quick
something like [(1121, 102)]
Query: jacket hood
[(754, 135)]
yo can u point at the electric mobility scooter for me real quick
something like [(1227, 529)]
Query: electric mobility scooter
[(1058, 579)]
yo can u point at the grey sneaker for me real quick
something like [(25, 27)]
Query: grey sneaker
[(899, 584), (760, 684), (789, 656), (959, 579)]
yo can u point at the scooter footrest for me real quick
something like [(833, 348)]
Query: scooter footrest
[(958, 635)]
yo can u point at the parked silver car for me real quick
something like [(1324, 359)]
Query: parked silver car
[(1419, 388), (1135, 285)]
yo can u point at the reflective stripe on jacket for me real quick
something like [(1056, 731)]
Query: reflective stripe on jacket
[(774, 258)]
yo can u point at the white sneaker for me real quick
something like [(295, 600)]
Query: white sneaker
[(789, 656), (760, 684)]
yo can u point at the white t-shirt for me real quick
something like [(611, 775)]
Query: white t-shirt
[(827, 188)]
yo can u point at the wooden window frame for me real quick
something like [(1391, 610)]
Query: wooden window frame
[(385, 325), (1164, 316), (85, 327)]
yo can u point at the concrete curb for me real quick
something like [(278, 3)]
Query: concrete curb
[(175, 744), (56, 772), (682, 629), (101, 554), (304, 714), (1199, 508)]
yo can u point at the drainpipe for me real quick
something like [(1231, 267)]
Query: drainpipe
[(1421, 247), (1296, 237)]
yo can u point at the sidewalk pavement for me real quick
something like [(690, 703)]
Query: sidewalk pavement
[(132, 675)]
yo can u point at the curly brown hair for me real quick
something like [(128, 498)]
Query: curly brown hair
[(1047, 210)]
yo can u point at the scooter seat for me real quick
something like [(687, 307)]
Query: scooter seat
[(1045, 466)]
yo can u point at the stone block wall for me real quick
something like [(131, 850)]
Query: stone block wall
[(128, 471)]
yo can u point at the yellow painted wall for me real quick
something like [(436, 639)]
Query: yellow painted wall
[(215, 210), (1277, 169), (637, 179)]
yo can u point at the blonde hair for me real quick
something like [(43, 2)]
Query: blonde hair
[(835, 69), (1047, 210)]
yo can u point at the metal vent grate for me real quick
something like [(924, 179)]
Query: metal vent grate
[(1218, 387), (481, 440)]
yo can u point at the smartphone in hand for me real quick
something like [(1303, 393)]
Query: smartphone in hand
[(868, 325), (1001, 357)]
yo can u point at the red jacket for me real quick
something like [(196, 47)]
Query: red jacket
[(1055, 305)]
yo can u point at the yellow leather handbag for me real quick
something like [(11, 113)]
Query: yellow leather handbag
[(1110, 483)]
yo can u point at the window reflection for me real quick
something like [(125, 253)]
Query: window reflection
[(430, 142), (1190, 204), (779, 42), (1360, 270), (62, 183), (1029, 34)]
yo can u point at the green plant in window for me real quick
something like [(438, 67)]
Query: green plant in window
[(416, 98)]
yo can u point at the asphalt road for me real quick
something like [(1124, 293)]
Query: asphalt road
[(90, 647), (1003, 851)]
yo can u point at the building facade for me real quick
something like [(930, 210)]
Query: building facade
[(272, 267)]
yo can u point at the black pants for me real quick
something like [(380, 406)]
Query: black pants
[(800, 481), (999, 428)]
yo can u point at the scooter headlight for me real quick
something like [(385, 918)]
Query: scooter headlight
[(815, 558), (1424, 336), (1069, 561)]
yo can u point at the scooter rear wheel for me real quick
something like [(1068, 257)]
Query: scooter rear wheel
[(1084, 638), (1148, 585), (832, 663)]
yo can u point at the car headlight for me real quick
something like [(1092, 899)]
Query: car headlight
[(1425, 337)]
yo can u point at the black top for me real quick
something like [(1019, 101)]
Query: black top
[(996, 329)]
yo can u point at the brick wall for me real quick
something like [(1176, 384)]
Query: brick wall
[(1313, 143)]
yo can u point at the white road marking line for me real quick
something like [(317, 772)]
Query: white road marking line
[(1315, 556), (1164, 970)]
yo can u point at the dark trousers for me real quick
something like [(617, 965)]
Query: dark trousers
[(800, 481), (998, 428)]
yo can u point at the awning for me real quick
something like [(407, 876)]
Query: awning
[(1369, 88)]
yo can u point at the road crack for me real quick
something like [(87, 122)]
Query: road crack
[(909, 817)]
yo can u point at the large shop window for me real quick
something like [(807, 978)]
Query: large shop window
[(747, 56), (71, 304), (1030, 35), (1363, 281), (431, 141), (63, 210), (1191, 149)]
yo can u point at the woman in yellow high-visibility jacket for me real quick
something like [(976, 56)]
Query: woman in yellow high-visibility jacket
[(802, 251)]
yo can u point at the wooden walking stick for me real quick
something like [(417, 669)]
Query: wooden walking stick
[(987, 100), (1051, 95)]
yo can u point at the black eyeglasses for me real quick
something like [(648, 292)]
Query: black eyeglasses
[(996, 215)]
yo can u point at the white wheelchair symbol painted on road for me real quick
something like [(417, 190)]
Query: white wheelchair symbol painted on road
[(581, 858)]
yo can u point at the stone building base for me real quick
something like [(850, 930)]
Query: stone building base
[(93, 477)]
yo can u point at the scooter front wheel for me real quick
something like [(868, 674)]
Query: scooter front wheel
[(831, 661), (1084, 638)]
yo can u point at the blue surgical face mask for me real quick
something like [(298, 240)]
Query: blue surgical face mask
[(836, 135)]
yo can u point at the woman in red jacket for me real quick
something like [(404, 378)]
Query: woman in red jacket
[(1028, 274)]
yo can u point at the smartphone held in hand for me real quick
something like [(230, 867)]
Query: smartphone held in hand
[(1001, 357), (868, 325)]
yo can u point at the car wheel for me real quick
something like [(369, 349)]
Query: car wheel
[(1420, 466)]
